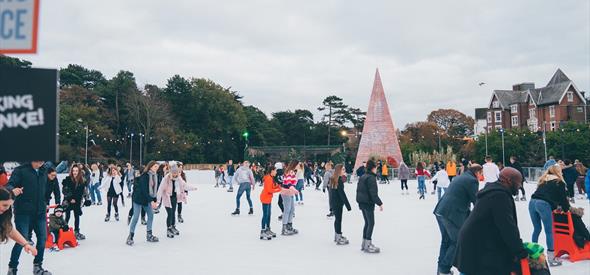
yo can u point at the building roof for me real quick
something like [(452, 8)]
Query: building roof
[(549, 94), (558, 77), (507, 98)]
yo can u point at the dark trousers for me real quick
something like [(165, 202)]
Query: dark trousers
[(179, 208), (448, 245), (171, 212), (77, 213), (369, 217), (266, 215), (280, 203), (404, 184), (570, 189), (112, 201), (26, 224), (55, 235), (337, 210)]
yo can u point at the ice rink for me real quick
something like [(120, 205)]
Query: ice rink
[(214, 242)]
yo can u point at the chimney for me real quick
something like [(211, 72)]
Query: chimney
[(523, 86)]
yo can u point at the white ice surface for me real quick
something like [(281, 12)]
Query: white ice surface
[(214, 242)]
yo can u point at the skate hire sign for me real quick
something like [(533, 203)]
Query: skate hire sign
[(19, 21), (28, 114)]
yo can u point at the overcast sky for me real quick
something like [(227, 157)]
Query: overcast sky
[(431, 54)]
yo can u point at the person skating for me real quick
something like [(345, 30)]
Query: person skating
[(181, 202), (288, 191), (421, 175), (361, 170), (489, 241), (452, 211), (549, 196), (94, 184), (443, 182), (385, 172), (327, 176), (170, 192), (570, 174), (245, 179), (144, 197), (338, 201), (491, 171), (230, 174), (516, 165), (451, 168), (28, 184), (112, 184), (349, 169), (74, 190), (367, 196), (404, 175), (270, 187), (56, 223), (129, 177), (300, 174)]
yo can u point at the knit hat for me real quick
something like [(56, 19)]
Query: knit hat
[(174, 168), (535, 250), (58, 209)]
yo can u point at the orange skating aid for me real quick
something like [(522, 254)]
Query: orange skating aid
[(65, 237), (563, 238)]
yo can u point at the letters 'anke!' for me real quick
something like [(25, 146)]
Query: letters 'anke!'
[(379, 138)]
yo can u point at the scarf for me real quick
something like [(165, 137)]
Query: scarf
[(153, 183)]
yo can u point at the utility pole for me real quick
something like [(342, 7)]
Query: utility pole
[(131, 150), (86, 151), (140, 149)]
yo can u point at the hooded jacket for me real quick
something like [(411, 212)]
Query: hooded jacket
[(367, 192), (489, 241), (553, 192), (454, 205)]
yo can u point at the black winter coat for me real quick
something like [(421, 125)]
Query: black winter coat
[(570, 175), (141, 191), (489, 242), (53, 189), (367, 193), (553, 192), (516, 165), (73, 191), (339, 196), (34, 184), (454, 205)]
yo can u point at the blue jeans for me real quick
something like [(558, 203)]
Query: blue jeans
[(26, 224), (137, 212), (421, 185), (440, 191), (266, 215), (299, 188), (244, 186), (289, 205), (129, 185), (448, 245), (95, 192), (540, 212)]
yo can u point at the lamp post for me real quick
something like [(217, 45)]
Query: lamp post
[(86, 143), (439, 143), (344, 134), (141, 135), (245, 135), (503, 154), (486, 140), (131, 149)]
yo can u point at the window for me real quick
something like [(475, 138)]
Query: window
[(552, 125), (552, 111), (495, 104), (532, 113), (514, 108), (580, 109), (515, 121), (570, 96), (489, 117), (498, 116)]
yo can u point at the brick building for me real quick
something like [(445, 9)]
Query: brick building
[(537, 109)]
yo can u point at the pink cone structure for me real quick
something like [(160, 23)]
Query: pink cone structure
[(379, 138)]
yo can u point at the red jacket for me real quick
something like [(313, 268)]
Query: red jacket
[(269, 189)]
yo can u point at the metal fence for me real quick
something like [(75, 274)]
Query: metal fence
[(530, 173)]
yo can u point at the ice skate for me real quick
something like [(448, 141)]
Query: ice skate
[(116, 216), (157, 211), (523, 198), (54, 248), (516, 198), (175, 231), (11, 271), (151, 238), (290, 226), (99, 203), (572, 200), (340, 240), (251, 212), (370, 248), (79, 236), (270, 233), (39, 270), (231, 189), (236, 212), (107, 218), (552, 260), (180, 219), (264, 235), (169, 232), (130, 239), (286, 231), (330, 215)]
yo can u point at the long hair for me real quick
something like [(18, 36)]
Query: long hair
[(6, 217), (419, 166), (336, 176), (149, 166), (553, 170), (292, 166), (269, 169), (581, 169), (78, 179)]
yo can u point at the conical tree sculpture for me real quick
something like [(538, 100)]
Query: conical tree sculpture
[(379, 138)]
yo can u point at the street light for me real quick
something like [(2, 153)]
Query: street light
[(343, 133), (245, 135), (131, 149), (503, 155), (86, 143), (141, 135)]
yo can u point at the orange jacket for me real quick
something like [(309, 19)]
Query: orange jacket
[(269, 189), (451, 169)]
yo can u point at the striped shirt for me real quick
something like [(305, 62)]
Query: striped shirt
[(289, 181)]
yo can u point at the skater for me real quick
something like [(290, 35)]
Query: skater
[(550, 195), (385, 172), (129, 177), (308, 175), (180, 202), (570, 174), (452, 211), (94, 184), (217, 171), (270, 187), (288, 191), (74, 189), (7, 229), (52, 187), (300, 183), (489, 241), (56, 223), (421, 175), (144, 197), (28, 184), (318, 172), (451, 168), (443, 182), (581, 169), (348, 167), (171, 191), (404, 175), (338, 201), (516, 165), (367, 196), (112, 184), (230, 174), (361, 170), (245, 179), (491, 171), (327, 176)]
